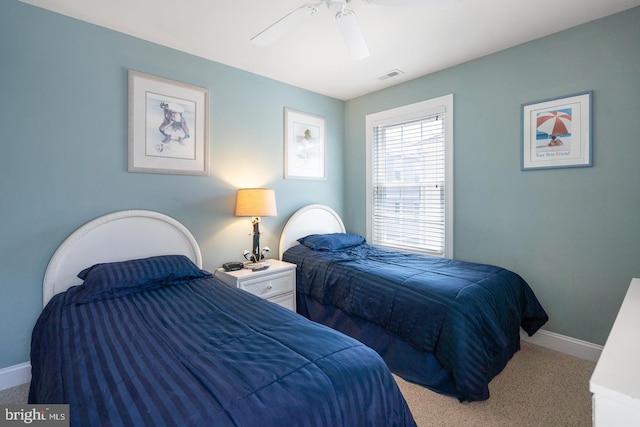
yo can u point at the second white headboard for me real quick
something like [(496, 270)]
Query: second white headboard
[(311, 219)]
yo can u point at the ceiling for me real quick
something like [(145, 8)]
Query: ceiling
[(416, 41)]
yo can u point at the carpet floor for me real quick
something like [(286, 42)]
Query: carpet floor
[(539, 387)]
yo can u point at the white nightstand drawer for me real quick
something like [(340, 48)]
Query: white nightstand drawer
[(285, 300), (266, 287)]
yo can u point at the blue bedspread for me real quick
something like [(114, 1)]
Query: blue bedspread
[(468, 315), (203, 353)]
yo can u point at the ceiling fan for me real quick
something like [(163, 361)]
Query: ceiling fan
[(345, 18)]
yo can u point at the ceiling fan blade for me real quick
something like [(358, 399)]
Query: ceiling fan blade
[(352, 34), (284, 25)]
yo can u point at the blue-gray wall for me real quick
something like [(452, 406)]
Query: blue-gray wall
[(63, 151), (573, 234)]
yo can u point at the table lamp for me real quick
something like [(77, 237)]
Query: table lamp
[(255, 203)]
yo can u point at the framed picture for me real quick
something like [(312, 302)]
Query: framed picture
[(305, 146), (556, 133), (168, 126)]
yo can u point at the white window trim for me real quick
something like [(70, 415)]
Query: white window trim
[(408, 113)]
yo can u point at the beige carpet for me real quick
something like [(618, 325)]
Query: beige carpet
[(539, 387), (15, 396)]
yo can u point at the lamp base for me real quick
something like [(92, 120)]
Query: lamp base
[(256, 239), (256, 255), (252, 257)]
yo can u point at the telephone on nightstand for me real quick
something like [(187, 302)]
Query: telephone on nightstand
[(232, 266)]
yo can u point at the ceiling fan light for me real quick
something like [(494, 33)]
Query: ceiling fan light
[(352, 34)]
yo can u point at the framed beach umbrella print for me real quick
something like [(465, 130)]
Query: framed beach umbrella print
[(556, 133)]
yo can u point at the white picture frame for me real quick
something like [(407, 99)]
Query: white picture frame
[(556, 133), (168, 126), (305, 146)]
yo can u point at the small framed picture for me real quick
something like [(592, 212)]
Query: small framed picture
[(305, 146), (168, 126), (556, 133)]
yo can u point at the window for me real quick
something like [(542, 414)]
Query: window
[(410, 177)]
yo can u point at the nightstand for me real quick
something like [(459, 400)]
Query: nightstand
[(276, 284)]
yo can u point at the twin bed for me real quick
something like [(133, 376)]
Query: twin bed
[(445, 324), (134, 332)]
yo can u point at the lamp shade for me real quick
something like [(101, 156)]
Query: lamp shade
[(256, 202)]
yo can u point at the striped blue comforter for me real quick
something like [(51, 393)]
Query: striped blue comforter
[(468, 315), (203, 353)]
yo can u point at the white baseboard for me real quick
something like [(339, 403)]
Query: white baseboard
[(15, 375), (564, 344)]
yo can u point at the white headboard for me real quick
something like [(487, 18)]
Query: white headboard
[(117, 236), (311, 219)]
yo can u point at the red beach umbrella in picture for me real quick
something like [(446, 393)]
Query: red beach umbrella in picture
[(554, 123)]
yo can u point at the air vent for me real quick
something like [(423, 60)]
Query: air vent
[(390, 74)]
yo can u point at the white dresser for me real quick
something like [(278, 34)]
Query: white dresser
[(276, 284), (615, 382)]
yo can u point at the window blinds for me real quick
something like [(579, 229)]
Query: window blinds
[(408, 177)]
